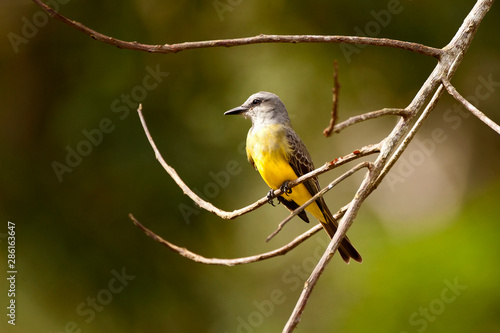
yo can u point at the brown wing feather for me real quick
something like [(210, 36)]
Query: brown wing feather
[(301, 162)]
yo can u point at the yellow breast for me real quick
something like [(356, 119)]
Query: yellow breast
[(269, 150)]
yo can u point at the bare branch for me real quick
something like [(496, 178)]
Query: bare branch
[(335, 100), (453, 92), (228, 262), (171, 171), (174, 48), (337, 215), (370, 115)]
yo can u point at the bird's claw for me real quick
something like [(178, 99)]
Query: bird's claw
[(285, 188), (270, 197)]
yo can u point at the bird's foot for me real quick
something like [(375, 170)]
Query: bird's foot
[(270, 197), (285, 188)]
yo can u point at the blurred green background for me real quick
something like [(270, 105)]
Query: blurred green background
[(428, 235)]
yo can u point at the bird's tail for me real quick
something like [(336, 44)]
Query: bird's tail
[(346, 250)]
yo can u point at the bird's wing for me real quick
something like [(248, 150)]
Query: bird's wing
[(301, 162)]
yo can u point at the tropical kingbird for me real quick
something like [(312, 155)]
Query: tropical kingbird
[(280, 156)]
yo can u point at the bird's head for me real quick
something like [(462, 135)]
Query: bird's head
[(262, 108)]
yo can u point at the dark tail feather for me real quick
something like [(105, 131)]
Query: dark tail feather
[(346, 250)]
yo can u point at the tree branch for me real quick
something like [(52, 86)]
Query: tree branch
[(335, 100), (453, 92), (228, 262), (370, 115), (174, 48)]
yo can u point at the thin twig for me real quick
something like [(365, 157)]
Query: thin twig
[(335, 100), (317, 195), (453, 92), (174, 48), (228, 262), (370, 115)]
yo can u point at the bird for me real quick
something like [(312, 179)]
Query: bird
[(279, 155)]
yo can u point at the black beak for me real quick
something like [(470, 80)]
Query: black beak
[(237, 110)]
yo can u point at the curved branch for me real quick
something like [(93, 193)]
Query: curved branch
[(174, 48), (228, 262)]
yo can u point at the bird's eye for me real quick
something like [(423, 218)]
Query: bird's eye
[(256, 101)]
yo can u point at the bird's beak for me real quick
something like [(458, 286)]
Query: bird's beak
[(237, 110)]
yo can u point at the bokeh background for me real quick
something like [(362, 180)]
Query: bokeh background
[(428, 235)]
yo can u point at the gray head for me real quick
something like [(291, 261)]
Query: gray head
[(263, 108)]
